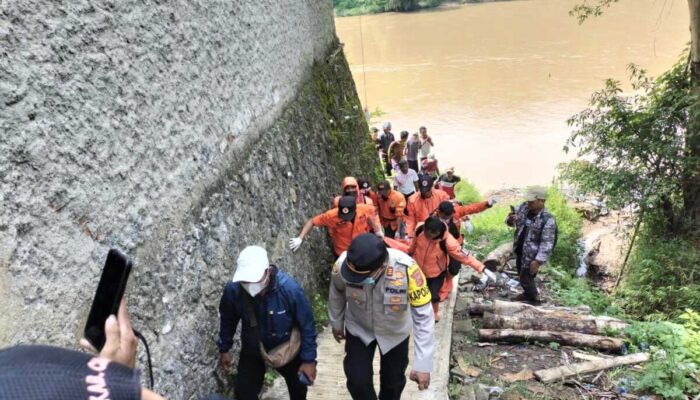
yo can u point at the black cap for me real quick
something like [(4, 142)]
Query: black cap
[(46, 372), (384, 186), (446, 208), (346, 207), (366, 254), (425, 183), (363, 183)]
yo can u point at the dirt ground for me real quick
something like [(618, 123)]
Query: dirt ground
[(505, 370)]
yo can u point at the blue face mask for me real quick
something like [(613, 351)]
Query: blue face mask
[(368, 281)]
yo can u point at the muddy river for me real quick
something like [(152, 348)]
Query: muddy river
[(495, 82)]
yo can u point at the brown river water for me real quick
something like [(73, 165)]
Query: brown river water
[(495, 82)]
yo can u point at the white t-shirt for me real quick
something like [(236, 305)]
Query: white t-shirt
[(425, 148), (404, 182)]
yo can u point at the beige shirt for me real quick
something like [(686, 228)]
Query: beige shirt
[(388, 310)]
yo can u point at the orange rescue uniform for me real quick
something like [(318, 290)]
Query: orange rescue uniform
[(419, 209), (433, 261), (461, 214), (395, 201), (342, 232)]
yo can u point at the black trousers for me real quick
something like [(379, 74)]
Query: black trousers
[(251, 373), (389, 232), (527, 281), (387, 163), (413, 164), (434, 284), (358, 369)]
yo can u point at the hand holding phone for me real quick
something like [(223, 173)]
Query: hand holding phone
[(304, 379), (120, 344), (108, 298)]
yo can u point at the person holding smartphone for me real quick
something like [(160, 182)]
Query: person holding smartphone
[(278, 327)]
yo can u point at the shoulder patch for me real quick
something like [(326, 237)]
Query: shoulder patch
[(418, 290)]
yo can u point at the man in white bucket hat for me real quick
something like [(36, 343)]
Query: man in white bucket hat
[(278, 326)]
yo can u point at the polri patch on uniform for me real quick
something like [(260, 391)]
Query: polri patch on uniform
[(397, 282), (400, 275), (389, 271), (395, 300), (395, 308)]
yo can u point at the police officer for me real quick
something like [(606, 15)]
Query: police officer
[(377, 296)]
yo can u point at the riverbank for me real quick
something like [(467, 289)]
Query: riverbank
[(350, 8), (480, 366)]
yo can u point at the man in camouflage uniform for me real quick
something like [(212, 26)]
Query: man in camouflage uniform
[(534, 239), (377, 297)]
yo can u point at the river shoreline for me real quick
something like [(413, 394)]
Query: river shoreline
[(354, 12)]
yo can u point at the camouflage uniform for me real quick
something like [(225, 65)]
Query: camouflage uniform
[(539, 240)]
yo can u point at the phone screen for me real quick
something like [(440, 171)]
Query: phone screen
[(108, 296)]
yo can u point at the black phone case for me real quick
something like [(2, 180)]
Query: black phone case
[(94, 326)]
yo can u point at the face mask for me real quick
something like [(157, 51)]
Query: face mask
[(253, 288)]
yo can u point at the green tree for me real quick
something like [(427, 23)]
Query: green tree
[(690, 181), (633, 148)]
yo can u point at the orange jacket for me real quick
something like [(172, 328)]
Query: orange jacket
[(462, 214), (342, 232), (386, 216), (419, 209), (350, 181), (433, 261), (474, 208)]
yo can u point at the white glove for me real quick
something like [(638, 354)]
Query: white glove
[(469, 226), (295, 243), (492, 200), (486, 276)]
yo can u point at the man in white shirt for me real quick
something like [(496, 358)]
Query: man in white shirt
[(406, 180), (426, 144)]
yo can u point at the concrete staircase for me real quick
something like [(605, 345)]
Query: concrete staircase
[(330, 382)]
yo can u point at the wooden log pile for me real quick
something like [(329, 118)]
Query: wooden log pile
[(517, 322)]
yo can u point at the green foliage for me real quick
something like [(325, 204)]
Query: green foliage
[(466, 192), (319, 306), (670, 372), (573, 291), (691, 322), (569, 227), (632, 148), (590, 9), (357, 7), (554, 345), (490, 230), (334, 94), (664, 275), (270, 376)]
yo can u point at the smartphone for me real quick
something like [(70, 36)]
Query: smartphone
[(304, 379), (109, 294)]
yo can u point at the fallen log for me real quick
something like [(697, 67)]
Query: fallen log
[(539, 316), (523, 309), (565, 371), (497, 259), (495, 321), (563, 338)]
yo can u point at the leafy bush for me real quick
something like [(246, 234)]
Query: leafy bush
[(670, 371), (319, 306), (466, 192), (632, 148), (569, 230), (356, 7), (664, 275), (573, 291)]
